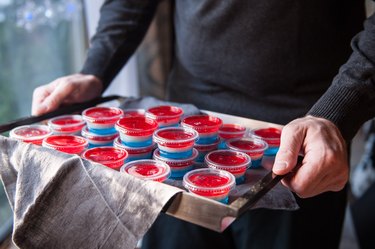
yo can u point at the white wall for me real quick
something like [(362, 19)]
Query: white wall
[(126, 82)]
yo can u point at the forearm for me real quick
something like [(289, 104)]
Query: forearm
[(350, 100), (121, 28)]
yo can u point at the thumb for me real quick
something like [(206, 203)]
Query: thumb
[(290, 145)]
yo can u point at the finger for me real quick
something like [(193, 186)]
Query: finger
[(39, 95), (58, 95), (292, 137)]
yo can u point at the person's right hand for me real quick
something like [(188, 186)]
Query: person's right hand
[(70, 89)]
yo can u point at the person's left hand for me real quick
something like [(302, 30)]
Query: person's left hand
[(325, 163)]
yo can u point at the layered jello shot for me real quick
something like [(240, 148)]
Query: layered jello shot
[(235, 162), (179, 167), (70, 144), (204, 149), (272, 137), (98, 140), (175, 142), (136, 131), (135, 153), (67, 124), (165, 115), (214, 184), (252, 146), (228, 131), (207, 127), (31, 133), (134, 112), (147, 170), (111, 157), (102, 120)]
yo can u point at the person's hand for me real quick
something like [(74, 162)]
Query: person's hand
[(325, 164), (70, 89)]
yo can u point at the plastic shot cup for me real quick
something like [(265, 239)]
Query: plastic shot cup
[(111, 157), (147, 170), (252, 146), (214, 184), (136, 131), (272, 137), (175, 142), (97, 140), (134, 112), (70, 144), (207, 127), (235, 162), (228, 131), (204, 149), (179, 167), (31, 133), (101, 120), (135, 153), (165, 115), (67, 124)]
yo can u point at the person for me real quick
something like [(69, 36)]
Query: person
[(266, 60)]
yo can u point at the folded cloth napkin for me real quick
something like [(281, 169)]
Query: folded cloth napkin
[(63, 201)]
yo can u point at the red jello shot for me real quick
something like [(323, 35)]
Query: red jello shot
[(70, 144), (147, 170), (207, 126), (136, 131), (175, 142), (134, 112), (252, 146), (31, 133), (210, 183), (165, 115), (67, 124), (135, 153), (111, 157), (97, 140), (235, 162), (179, 167), (204, 149), (228, 131), (101, 120), (272, 137)]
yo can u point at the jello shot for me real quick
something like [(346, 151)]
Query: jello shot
[(252, 146), (235, 162), (165, 115), (67, 124), (147, 170), (175, 142), (228, 131), (31, 133), (136, 131), (207, 127), (111, 157), (70, 144), (134, 112), (272, 137), (204, 149), (179, 167), (98, 140), (101, 120), (135, 153), (214, 184)]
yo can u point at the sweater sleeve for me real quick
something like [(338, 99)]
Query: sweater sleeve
[(350, 100), (121, 28)]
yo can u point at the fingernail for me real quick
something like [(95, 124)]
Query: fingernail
[(280, 165)]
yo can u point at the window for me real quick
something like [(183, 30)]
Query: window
[(40, 40)]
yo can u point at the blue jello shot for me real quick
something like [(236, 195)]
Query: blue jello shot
[(179, 167), (204, 149), (229, 131), (135, 153), (271, 135), (98, 140), (175, 142), (207, 127), (136, 131), (102, 120), (165, 115)]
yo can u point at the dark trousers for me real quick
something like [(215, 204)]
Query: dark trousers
[(317, 224)]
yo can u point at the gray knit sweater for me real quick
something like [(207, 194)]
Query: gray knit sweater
[(269, 60)]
